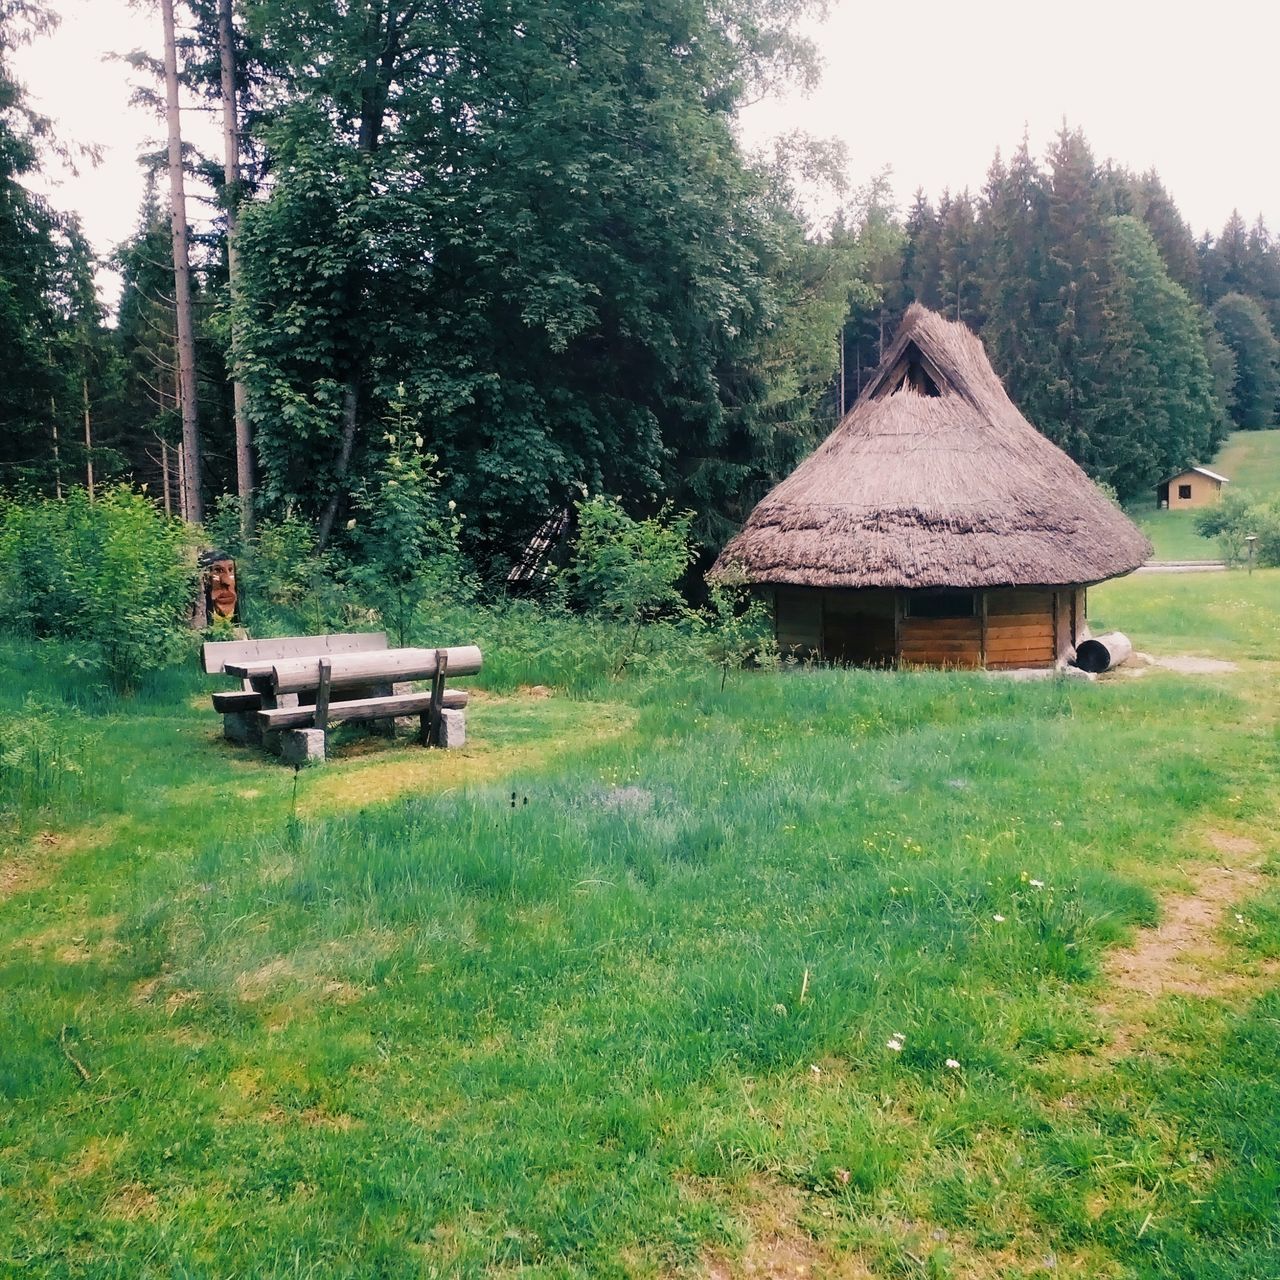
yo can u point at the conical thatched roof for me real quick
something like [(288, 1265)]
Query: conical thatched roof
[(934, 479)]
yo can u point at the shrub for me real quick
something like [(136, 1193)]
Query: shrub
[(1233, 519), (405, 535), (736, 626), (627, 570), (113, 573)]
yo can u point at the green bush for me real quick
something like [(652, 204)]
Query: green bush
[(1234, 519), (115, 574), (627, 571), (404, 534), (736, 627)]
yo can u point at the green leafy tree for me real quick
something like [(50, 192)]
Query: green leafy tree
[(1245, 329), (627, 570), (405, 534), (736, 626), (552, 240)]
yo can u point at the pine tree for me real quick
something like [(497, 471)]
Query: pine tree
[(1245, 329), (1225, 261), (1170, 231), (922, 254), (1168, 416), (1018, 336)]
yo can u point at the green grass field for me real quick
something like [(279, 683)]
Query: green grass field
[(833, 970), (1250, 459)]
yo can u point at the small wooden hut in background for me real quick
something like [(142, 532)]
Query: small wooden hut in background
[(1194, 487), (935, 525)]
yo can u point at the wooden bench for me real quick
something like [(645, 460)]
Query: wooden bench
[(253, 660), (301, 730)]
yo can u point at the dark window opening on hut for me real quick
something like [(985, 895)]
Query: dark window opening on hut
[(942, 604), (1184, 491), (912, 373)]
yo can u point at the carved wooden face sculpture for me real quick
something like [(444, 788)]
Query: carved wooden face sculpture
[(221, 580)]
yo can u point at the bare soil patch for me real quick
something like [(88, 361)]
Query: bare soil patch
[(1174, 956), (1183, 954), (778, 1248), (23, 870), (1189, 665)]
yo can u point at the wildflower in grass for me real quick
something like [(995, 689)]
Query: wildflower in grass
[(952, 1064), (843, 1176), (895, 1042), (998, 918), (1239, 918)]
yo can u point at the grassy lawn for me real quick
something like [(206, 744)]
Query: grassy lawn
[(1173, 533), (1251, 459), (616, 991)]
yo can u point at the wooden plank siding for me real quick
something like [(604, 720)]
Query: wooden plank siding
[(798, 621), (1024, 627), (941, 642), (1021, 629)]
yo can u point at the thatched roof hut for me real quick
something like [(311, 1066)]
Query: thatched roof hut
[(934, 497)]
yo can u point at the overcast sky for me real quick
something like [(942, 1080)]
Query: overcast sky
[(931, 89)]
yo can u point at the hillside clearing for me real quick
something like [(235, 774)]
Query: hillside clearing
[(1249, 459)]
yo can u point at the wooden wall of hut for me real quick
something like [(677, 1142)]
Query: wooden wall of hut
[(1006, 628)]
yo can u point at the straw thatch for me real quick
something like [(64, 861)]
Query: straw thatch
[(934, 479)]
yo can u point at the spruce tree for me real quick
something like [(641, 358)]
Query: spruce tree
[(1169, 416), (1246, 330), (1170, 231)]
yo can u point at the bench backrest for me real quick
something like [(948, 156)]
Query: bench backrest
[(217, 653)]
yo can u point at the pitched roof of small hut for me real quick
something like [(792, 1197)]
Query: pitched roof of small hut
[(934, 479), (1200, 471)]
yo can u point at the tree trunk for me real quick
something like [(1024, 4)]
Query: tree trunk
[(231, 177), (192, 506), (57, 453), (88, 440), (164, 471), (350, 403), (382, 51)]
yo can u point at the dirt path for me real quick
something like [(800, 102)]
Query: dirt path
[(1183, 954), (1183, 566)]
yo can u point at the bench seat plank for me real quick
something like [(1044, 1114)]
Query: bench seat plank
[(240, 700), (405, 704)]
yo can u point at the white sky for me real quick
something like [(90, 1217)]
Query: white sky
[(931, 88)]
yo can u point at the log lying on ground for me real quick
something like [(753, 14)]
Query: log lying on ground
[(411, 704), (349, 669), (1103, 652)]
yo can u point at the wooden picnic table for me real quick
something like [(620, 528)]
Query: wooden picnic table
[(293, 693)]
